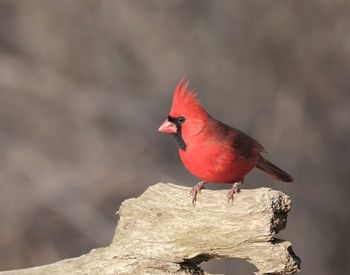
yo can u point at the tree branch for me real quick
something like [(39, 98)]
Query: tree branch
[(161, 232)]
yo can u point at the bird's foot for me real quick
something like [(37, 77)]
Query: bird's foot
[(196, 189), (235, 189)]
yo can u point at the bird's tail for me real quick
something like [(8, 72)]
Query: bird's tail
[(273, 171)]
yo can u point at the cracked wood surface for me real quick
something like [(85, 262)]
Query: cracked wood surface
[(161, 232)]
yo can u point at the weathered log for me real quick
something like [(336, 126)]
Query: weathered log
[(161, 232)]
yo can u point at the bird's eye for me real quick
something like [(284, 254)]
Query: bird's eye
[(181, 119)]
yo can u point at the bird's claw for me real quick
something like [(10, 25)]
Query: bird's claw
[(195, 190), (235, 189)]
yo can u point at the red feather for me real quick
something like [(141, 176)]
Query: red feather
[(212, 150)]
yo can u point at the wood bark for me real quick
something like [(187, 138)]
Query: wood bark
[(161, 232)]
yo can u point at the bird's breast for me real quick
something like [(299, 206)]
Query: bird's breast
[(216, 163)]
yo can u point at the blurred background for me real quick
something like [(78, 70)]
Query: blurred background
[(84, 86)]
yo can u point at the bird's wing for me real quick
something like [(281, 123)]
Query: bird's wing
[(245, 145)]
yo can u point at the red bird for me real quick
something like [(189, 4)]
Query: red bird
[(212, 150)]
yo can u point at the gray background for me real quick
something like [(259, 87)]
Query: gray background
[(84, 85)]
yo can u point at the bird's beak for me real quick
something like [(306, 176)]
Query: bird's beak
[(167, 127)]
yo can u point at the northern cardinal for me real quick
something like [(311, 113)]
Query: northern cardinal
[(212, 150)]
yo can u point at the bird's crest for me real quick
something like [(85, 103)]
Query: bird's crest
[(185, 102)]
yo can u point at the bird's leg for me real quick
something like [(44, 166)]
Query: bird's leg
[(196, 189), (234, 189)]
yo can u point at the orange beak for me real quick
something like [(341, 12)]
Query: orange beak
[(167, 127)]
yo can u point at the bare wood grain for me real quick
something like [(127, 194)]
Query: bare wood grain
[(161, 232)]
